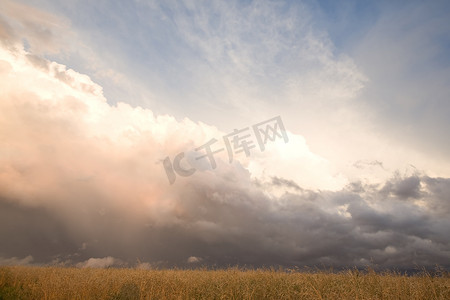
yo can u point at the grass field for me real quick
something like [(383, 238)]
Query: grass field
[(72, 283)]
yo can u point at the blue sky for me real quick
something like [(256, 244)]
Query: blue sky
[(362, 88)]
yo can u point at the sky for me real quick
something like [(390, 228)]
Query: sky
[(108, 110)]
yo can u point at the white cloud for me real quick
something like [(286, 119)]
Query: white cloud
[(194, 259), (104, 262)]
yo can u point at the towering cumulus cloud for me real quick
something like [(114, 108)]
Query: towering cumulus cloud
[(81, 179), (82, 183)]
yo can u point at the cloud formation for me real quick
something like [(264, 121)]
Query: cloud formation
[(98, 262), (41, 31), (82, 181)]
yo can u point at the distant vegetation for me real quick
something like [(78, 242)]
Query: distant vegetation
[(72, 283)]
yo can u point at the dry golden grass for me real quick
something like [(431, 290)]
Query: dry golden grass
[(72, 283)]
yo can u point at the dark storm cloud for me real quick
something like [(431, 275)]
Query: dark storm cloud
[(403, 188), (438, 195), (31, 231), (227, 222)]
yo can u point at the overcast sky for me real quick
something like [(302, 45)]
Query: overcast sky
[(99, 98)]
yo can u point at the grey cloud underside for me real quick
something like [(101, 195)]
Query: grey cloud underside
[(401, 224)]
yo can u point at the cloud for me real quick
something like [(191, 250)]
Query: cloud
[(437, 196), (144, 266), (405, 56), (194, 259), (405, 188), (284, 182), (15, 261), (43, 32), (98, 262), (364, 164), (263, 53), (82, 180)]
